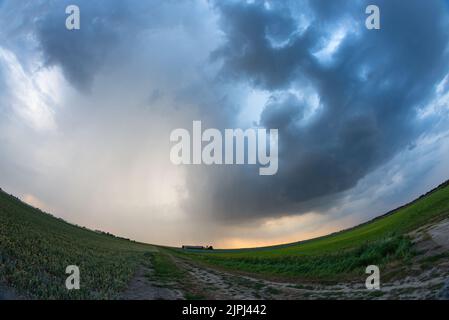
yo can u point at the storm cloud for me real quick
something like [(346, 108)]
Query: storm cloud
[(86, 115), (368, 88)]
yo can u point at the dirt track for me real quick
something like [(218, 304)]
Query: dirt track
[(141, 288), (428, 282), (431, 283)]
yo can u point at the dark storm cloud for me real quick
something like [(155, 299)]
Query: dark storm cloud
[(248, 53), (105, 25), (368, 91), (80, 53)]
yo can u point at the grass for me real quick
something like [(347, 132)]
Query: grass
[(165, 271), (343, 254), (326, 266), (35, 249)]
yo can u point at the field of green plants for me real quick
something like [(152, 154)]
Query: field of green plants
[(341, 255), (36, 248)]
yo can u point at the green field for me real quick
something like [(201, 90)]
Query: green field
[(381, 241), (35, 249)]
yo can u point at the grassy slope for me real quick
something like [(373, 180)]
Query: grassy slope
[(380, 241), (35, 249)]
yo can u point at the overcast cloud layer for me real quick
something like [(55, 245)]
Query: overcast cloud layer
[(85, 116)]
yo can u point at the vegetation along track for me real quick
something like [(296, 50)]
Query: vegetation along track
[(410, 245)]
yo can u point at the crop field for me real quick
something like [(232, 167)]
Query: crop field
[(383, 240), (35, 249)]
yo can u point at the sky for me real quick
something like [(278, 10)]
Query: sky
[(86, 115)]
